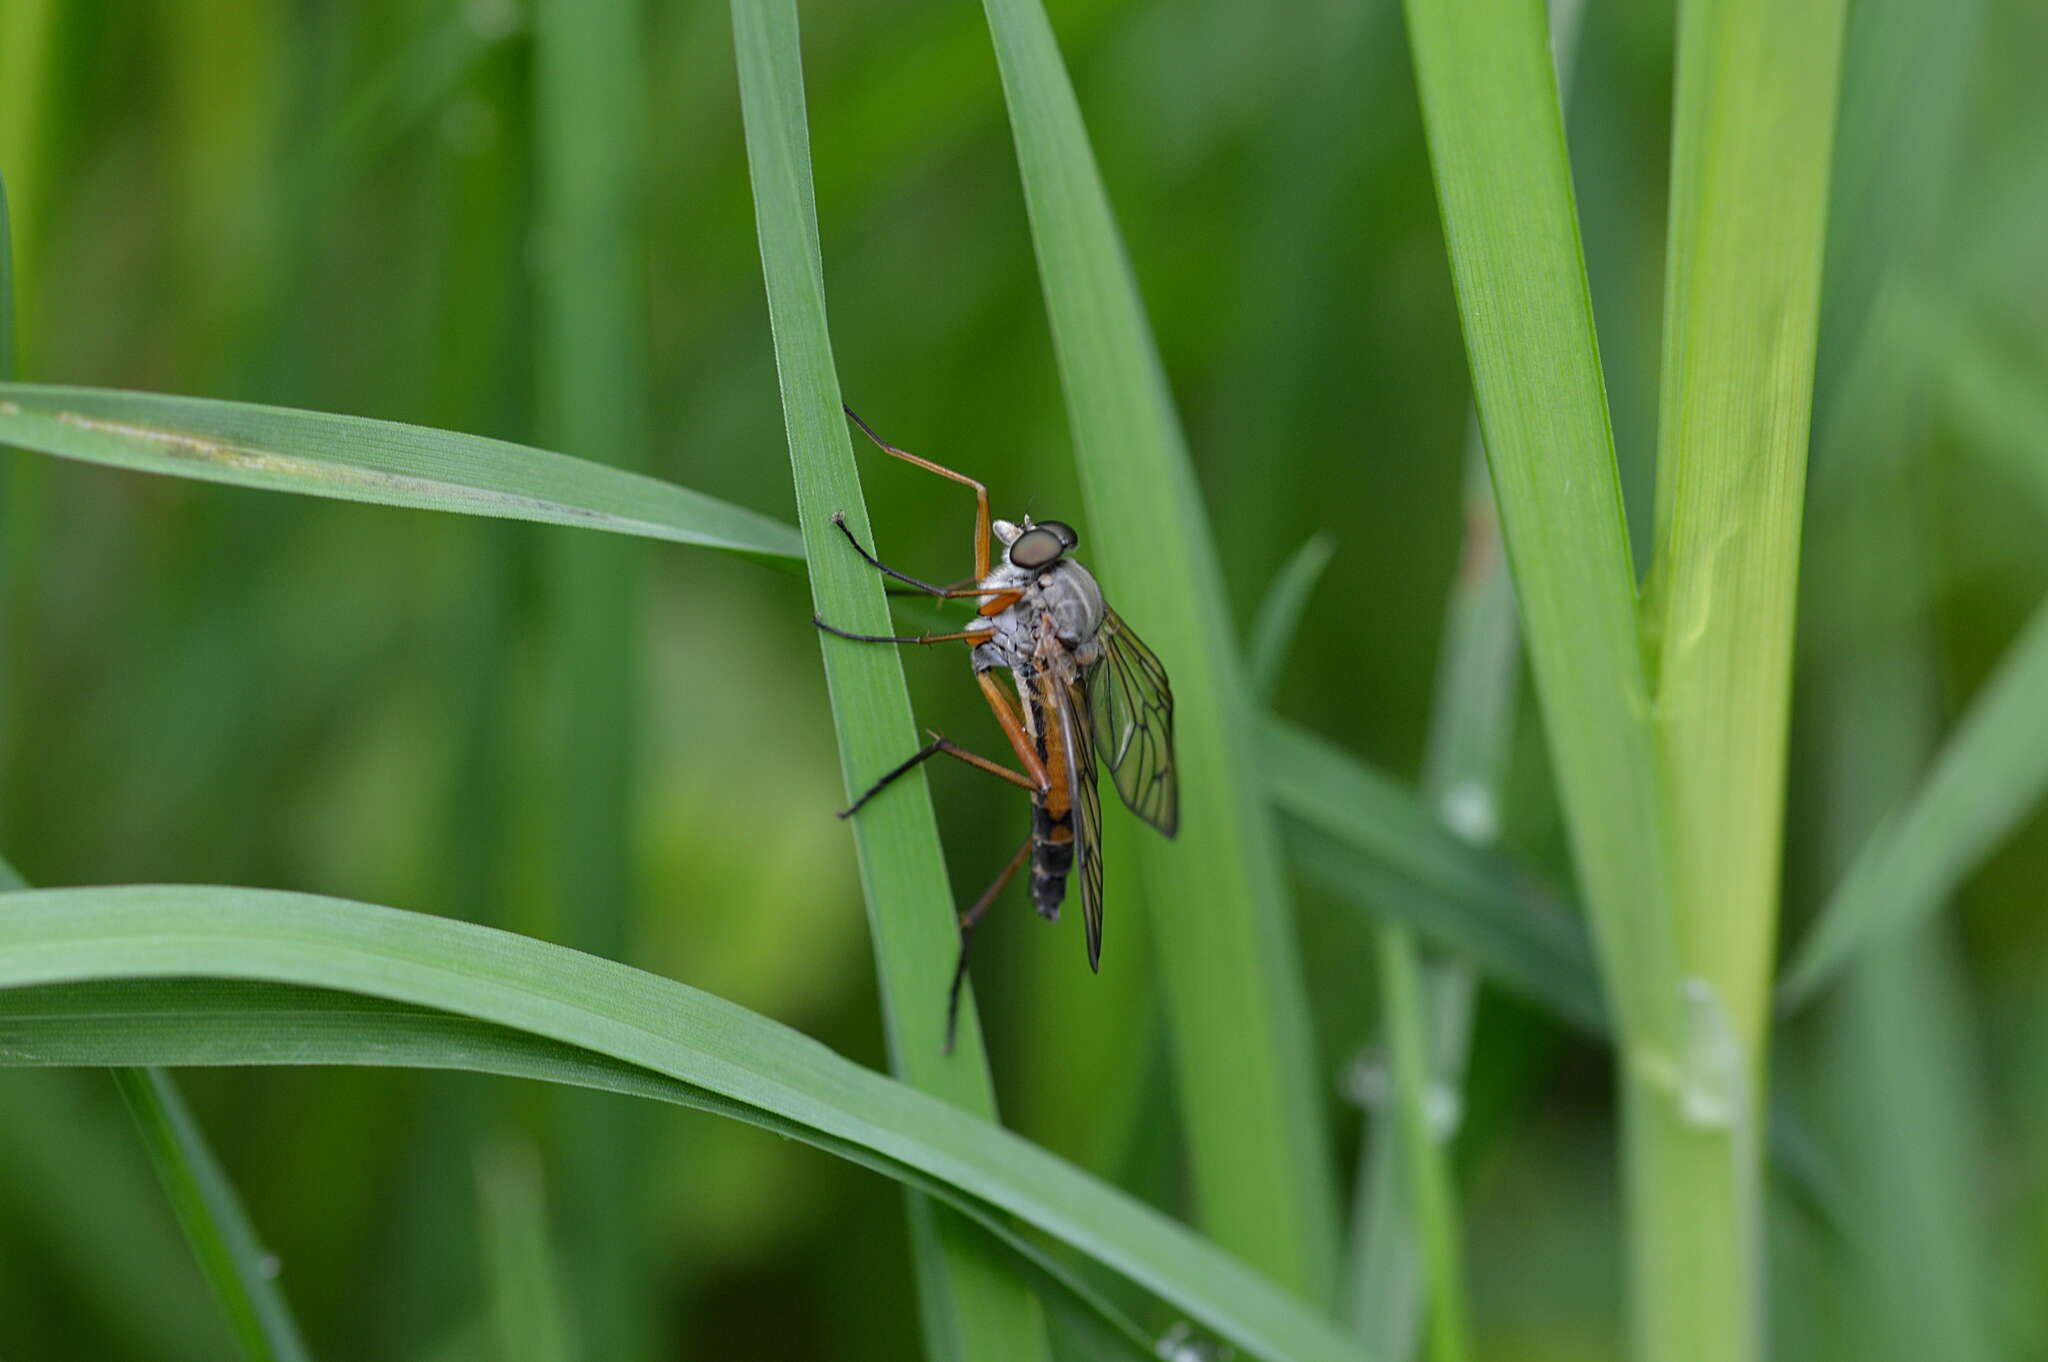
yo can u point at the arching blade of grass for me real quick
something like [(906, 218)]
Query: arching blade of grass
[(353, 458), (1280, 613), (1990, 774), (1367, 838), (557, 995), (215, 1022), (972, 1306), (208, 1208), (1244, 1059)]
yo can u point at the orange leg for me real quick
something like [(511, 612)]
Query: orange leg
[(924, 588), (1013, 729), (980, 492)]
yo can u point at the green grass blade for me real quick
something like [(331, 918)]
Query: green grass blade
[(353, 458), (749, 1064), (1496, 138), (6, 288), (1990, 774), (215, 1023), (1280, 613), (593, 400), (214, 1220), (524, 1279), (1757, 83), (1368, 839), (973, 1307), (234, 1261), (1244, 1060)]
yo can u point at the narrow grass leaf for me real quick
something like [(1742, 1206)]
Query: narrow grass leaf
[(6, 288), (1496, 140), (522, 1274), (238, 1268), (1989, 775), (973, 1307), (1280, 613), (1757, 83), (750, 1065), (1366, 838), (242, 1274), (352, 458), (1244, 1058), (592, 367)]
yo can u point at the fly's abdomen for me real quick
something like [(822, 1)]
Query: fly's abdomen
[(1052, 857)]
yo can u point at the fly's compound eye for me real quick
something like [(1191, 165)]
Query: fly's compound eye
[(1042, 544)]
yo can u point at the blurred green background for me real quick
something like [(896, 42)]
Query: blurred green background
[(338, 207)]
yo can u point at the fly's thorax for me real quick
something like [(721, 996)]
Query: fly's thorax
[(1067, 593)]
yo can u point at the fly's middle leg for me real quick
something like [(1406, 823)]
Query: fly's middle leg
[(967, 921)]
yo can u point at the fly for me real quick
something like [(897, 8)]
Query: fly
[(1088, 691)]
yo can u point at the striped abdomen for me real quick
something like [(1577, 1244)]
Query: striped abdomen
[(1052, 815)]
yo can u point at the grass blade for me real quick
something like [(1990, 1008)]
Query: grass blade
[(1988, 776), (214, 1220), (1496, 140), (352, 458), (6, 288), (1368, 839), (972, 1306), (234, 1261), (1244, 1059), (750, 1065), (1280, 613), (1756, 103), (524, 1280), (593, 399)]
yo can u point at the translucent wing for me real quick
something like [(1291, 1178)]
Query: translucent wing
[(1073, 730), (1131, 708)]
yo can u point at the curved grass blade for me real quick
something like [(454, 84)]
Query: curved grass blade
[(1366, 838), (972, 1307), (353, 458), (1281, 612), (222, 1237), (208, 1023), (1244, 1058), (750, 1066), (1988, 776)]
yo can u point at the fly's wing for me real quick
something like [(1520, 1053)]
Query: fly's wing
[(1072, 729), (1130, 707)]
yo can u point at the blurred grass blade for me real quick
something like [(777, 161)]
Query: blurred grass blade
[(972, 1306), (353, 458), (525, 1280), (6, 288), (1280, 613), (1990, 774), (1367, 839), (592, 369), (1246, 1070), (242, 1274), (744, 1064), (1755, 119)]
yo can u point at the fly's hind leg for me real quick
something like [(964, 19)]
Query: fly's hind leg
[(967, 921), (937, 746)]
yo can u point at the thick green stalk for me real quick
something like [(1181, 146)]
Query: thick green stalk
[(972, 1305), (1244, 1057), (1754, 128), (1496, 139), (593, 400)]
